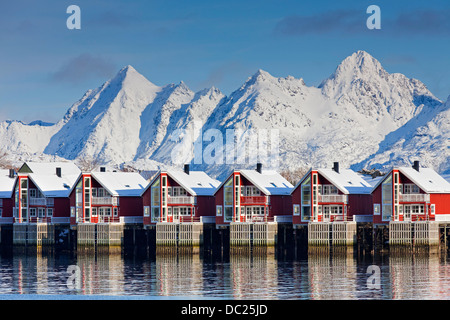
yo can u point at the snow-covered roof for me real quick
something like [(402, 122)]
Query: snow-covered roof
[(43, 174), (347, 181), (122, 184), (49, 168), (6, 184), (269, 182), (197, 183), (426, 179)]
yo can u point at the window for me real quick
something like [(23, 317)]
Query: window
[(32, 194), (296, 210), (108, 211), (306, 199), (329, 189), (376, 209), (155, 214), (410, 188), (94, 212), (178, 192), (146, 211), (386, 198), (49, 212), (432, 209), (219, 211), (116, 212), (72, 211), (228, 200), (94, 192), (41, 212), (228, 214), (251, 191), (32, 212), (1, 212)]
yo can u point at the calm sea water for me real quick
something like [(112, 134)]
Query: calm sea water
[(242, 274)]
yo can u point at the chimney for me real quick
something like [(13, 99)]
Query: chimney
[(186, 168), (259, 167), (11, 173), (102, 169), (336, 166), (58, 172), (416, 165)]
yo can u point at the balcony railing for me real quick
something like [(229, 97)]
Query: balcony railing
[(180, 219), (416, 217), (105, 201), (333, 198), (99, 219), (254, 200), (41, 202), (334, 218), (255, 218), (182, 200), (416, 197), (33, 220)]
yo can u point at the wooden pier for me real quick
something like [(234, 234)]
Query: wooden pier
[(100, 234), (37, 234), (253, 233), (417, 233), (179, 234), (332, 233)]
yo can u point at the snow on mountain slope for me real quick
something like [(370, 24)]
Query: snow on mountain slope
[(313, 129), (105, 123), (185, 126), (361, 116), (156, 118), (425, 138), (388, 101), (18, 137)]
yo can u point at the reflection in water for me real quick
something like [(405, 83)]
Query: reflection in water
[(423, 275), (244, 273), (329, 271), (253, 273)]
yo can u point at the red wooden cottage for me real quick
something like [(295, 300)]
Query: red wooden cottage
[(179, 196), (107, 197), (328, 195), (411, 194), (253, 196), (41, 192), (7, 181)]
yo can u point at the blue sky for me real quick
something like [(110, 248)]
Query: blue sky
[(45, 67)]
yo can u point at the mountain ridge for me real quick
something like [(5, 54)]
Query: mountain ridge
[(129, 120)]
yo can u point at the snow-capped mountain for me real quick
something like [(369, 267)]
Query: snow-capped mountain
[(425, 138), (361, 115)]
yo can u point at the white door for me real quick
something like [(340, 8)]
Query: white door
[(407, 213)]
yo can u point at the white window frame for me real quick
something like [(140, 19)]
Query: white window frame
[(146, 211), (39, 210), (31, 212), (219, 211), (296, 210), (49, 212), (433, 209)]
